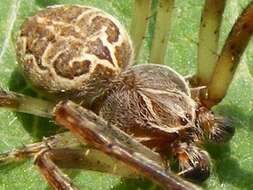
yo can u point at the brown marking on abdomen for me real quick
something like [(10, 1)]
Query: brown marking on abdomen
[(122, 56), (38, 38), (112, 30), (63, 67), (97, 48), (81, 67), (67, 31), (103, 73)]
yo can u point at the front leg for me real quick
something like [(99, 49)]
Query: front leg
[(95, 131)]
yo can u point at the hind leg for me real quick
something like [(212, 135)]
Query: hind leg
[(67, 152)]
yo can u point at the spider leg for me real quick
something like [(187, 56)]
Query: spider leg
[(52, 173), (21, 103), (59, 141), (196, 93), (141, 13), (95, 131), (208, 39), (162, 27), (91, 159), (229, 58), (43, 159), (67, 152), (28, 151), (194, 163)]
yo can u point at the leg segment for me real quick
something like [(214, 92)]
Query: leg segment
[(43, 154), (95, 131), (21, 154), (194, 163), (141, 13), (208, 39), (21, 103), (63, 140), (229, 58), (67, 152), (54, 176), (161, 33)]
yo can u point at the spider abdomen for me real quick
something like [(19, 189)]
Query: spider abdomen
[(72, 50)]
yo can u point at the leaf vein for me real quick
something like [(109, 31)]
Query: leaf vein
[(10, 23)]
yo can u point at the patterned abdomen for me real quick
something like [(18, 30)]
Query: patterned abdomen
[(73, 51)]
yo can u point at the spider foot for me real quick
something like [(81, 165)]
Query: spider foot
[(196, 173), (194, 162)]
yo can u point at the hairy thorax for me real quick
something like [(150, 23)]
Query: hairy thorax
[(152, 103)]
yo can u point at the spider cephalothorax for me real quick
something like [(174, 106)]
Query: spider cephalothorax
[(137, 114), (163, 116)]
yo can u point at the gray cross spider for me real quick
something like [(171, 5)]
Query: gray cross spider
[(81, 59)]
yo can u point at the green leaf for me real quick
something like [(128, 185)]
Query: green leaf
[(232, 164)]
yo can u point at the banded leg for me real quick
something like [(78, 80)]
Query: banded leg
[(95, 131), (162, 29), (194, 163), (229, 58), (67, 152), (52, 173), (25, 104), (209, 39), (63, 140), (27, 152), (141, 13)]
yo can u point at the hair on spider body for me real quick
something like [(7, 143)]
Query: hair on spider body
[(216, 129), (138, 114), (153, 103)]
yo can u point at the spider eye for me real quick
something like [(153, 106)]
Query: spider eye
[(183, 121), (188, 116)]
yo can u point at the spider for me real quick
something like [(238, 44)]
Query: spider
[(135, 114)]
